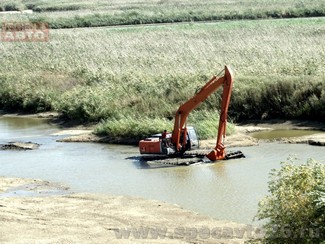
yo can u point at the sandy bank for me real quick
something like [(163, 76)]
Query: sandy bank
[(90, 218), (317, 139), (241, 138)]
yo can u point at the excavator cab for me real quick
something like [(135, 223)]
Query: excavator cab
[(158, 145), (192, 140)]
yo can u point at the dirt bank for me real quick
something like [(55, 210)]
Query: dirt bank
[(241, 138), (74, 132), (317, 139), (19, 146), (90, 218)]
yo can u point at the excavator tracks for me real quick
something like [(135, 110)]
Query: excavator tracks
[(186, 159), (234, 155)]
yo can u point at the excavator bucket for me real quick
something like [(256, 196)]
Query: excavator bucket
[(217, 154), (214, 156), (220, 154)]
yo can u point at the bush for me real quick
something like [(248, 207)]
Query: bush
[(206, 124), (295, 207), (88, 104), (289, 98), (132, 129), (11, 6), (15, 95)]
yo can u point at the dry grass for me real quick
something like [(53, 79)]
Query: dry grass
[(68, 13), (105, 73)]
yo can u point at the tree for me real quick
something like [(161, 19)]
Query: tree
[(295, 207)]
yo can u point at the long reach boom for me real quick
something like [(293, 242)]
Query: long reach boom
[(184, 110), (184, 138)]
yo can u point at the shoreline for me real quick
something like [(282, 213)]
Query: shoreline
[(76, 132), (49, 212), (87, 218), (241, 138)]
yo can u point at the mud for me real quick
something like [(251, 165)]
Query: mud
[(19, 146), (35, 189), (89, 136), (89, 218), (314, 140)]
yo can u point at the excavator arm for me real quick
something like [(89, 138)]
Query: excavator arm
[(184, 110), (183, 138)]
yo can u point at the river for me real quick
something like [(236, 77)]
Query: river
[(226, 190)]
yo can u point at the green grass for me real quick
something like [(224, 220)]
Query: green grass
[(69, 14), (133, 128), (144, 73)]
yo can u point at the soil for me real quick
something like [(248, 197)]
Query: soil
[(19, 146), (46, 216)]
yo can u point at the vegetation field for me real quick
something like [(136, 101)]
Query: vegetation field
[(69, 13), (132, 79)]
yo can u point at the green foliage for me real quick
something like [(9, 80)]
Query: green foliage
[(69, 14), (88, 104), (99, 74), (8, 5), (132, 128), (319, 196), (134, 18), (24, 96), (289, 98), (294, 209), (206, 124)]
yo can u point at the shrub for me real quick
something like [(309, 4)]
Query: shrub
[(206, 124), (11, 6), (294, 210), (132, 128), (88, 104), (15, 95)]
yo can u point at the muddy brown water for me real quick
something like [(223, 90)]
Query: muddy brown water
[(227, 190)]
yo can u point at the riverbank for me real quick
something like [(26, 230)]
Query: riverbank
[(61, 216), (90, 218), (241, 136)]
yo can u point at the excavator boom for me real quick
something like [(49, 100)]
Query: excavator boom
[(184, 110), (219, 151), (180, 139)]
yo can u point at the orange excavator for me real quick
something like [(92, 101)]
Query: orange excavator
[(184, 138)]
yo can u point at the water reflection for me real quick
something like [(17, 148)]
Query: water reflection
[(276, 134), (228, 190), (15, 128), (21, 123)]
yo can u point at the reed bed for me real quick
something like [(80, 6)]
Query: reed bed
[(142, 73)]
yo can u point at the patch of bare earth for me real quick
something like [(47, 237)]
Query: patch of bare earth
[(90, 218)]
